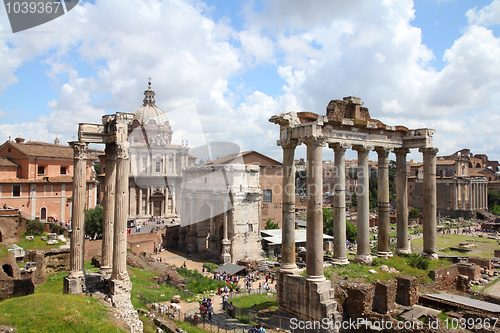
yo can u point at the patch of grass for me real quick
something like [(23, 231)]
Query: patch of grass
[(485, 246), (484, 289), (141, 283), (197, 283), (401, 264), (3, 252), (46, 312), (191, 329), (256, 302), (37, 243)]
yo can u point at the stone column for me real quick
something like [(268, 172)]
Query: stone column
[(109, 210), (429, 204), (288, 208), (339, 219), (74, 283), (141, 212), (363, 253), (226, 243), (403, 244), (314, 231), (120, 282), (384, 249)]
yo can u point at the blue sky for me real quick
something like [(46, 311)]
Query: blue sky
[(220, 69)]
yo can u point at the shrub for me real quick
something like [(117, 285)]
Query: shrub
[(414, 213), (34, 227), (271, 225), (417, 261)]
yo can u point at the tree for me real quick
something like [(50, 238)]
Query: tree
[(34, 227), (328, 221), (93, 221), (351, 231), (354, 199), (271, 225), (413, 213)]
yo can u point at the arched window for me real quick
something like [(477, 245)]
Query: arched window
[(43, 214), (8, 270)]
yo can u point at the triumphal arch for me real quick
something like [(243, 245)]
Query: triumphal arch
[(346, 125)]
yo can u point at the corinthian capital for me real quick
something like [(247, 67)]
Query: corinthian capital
[(122, 150), (313, 140), (79, 149)]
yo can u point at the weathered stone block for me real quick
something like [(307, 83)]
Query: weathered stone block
[(407, 290), (359, 300), (385, 297)]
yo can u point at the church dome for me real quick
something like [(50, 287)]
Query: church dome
[(149, 111)]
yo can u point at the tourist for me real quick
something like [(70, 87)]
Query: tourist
[(210, 310)]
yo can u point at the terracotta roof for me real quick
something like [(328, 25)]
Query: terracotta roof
[(445, 162), (46, 180), (41, 149), (5, 162), (236, 158)]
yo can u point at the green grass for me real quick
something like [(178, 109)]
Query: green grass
[(191, 329), (37, 243), (47, 312), (484, 249), (256, 302), (3, 252), (197, 283), (141, 283), (401, 264)]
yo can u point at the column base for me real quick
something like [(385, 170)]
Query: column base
[(226, 251), (382, 254), (365, 259), (106, 272), (431, 256), (403, 251), (120, 289), (315, 278), (289, 269), (74, 285), (340, 261)]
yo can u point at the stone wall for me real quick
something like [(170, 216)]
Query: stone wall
[(481, 262), (9, 227), (47, 262), (16, 287), (446, 277), (359, 300), (144, 242)]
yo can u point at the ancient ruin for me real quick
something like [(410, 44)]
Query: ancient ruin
[(346, 125)]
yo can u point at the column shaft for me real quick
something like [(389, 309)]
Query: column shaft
[(363, 253), (429, 204), (78, 211), (314, 233), (288, 209), (109, 209), (403, 244), (384, 249), (121, 202), (339, 220)]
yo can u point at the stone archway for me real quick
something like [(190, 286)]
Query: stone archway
[(8, 270), (203, 228)]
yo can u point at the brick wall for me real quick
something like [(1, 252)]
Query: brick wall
[(407, 290)]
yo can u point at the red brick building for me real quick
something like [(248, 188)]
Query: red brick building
[(37, 178)]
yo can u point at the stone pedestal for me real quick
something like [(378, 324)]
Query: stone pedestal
[(74, 285), (226, 251), (309, 300)]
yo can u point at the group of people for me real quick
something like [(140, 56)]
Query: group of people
[(257, 329), (228, 278), (206, 308)]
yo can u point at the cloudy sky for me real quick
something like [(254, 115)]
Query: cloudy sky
[(221, 69)]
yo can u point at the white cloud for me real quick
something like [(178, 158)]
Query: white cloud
[(486, 16)]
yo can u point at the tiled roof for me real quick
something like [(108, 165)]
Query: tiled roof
[(445, 162), (41, 149), (236, 158), (5, 162), (46, 180)]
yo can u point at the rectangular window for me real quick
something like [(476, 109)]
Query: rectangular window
[(63, 170), (16, 190), (41, 170), (144, 164), (267, 196), (158, 166)]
